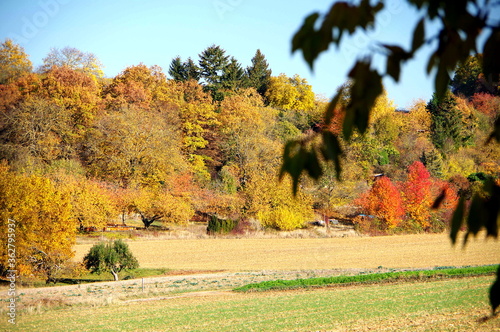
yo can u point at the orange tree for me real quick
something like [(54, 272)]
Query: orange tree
[(459, 24), (384, 202)]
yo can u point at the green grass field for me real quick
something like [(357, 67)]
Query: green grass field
[(448, 305), (421, 275)]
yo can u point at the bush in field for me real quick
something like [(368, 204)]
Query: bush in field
[(281, 218), (110, 257), (221, 226)]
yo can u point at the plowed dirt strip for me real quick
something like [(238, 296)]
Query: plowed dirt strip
[(405, 251)]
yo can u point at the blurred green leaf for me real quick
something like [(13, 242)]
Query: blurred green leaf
[(312, 165), (331, 107), (495, 293), (476, 217), (307, 40), (418, 35), (442, 81), (457, 219), (394, 59), (332, 151), (439, 200), (366, 87), (491, 56), (496, 132)]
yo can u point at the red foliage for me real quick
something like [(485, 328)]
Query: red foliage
[(384, 202), (417, 194), (486, 104)]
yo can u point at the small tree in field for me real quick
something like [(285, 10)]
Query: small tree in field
[(383, 201), (110, 257)]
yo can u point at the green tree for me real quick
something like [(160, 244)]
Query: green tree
[(259, 73), (183, 71), (110, 257), (192, 71), (448, 126), (213, 61), (14, 62), (233, 75), (176, 69)]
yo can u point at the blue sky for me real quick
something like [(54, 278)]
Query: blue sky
[(122, 33)]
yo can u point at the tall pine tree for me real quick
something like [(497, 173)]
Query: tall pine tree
[(184, 71), (177, 70), (259, 74), (233, 75), (191, 70), (448, 131), (213, 61)]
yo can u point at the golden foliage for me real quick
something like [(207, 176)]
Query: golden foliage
[(290, 93), (44, 230)]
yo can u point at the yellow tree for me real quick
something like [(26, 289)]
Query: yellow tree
[(134, 147), (197, 116), (158, 204), (39, 217), (77, 94), (290, 93), (91, 201), (14, 63), (273, 203)]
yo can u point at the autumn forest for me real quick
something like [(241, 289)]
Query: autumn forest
[(205, 137)]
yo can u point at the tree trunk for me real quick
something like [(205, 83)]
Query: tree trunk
[(115, 274)]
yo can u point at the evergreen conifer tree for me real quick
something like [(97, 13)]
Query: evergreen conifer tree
[(259, 74)]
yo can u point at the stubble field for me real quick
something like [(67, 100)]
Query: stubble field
[(247, 254)]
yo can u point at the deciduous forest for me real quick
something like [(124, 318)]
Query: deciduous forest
[(206, 137)]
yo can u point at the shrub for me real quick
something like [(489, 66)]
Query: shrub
[(220, 226), (281, 218), (110, 257)]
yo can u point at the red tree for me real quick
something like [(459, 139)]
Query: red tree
[(417, 194), (384, 202), (486, 104)]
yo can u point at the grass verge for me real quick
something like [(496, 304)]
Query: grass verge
[(437, 273)]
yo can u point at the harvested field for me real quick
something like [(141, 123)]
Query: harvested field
[(404, 251)]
